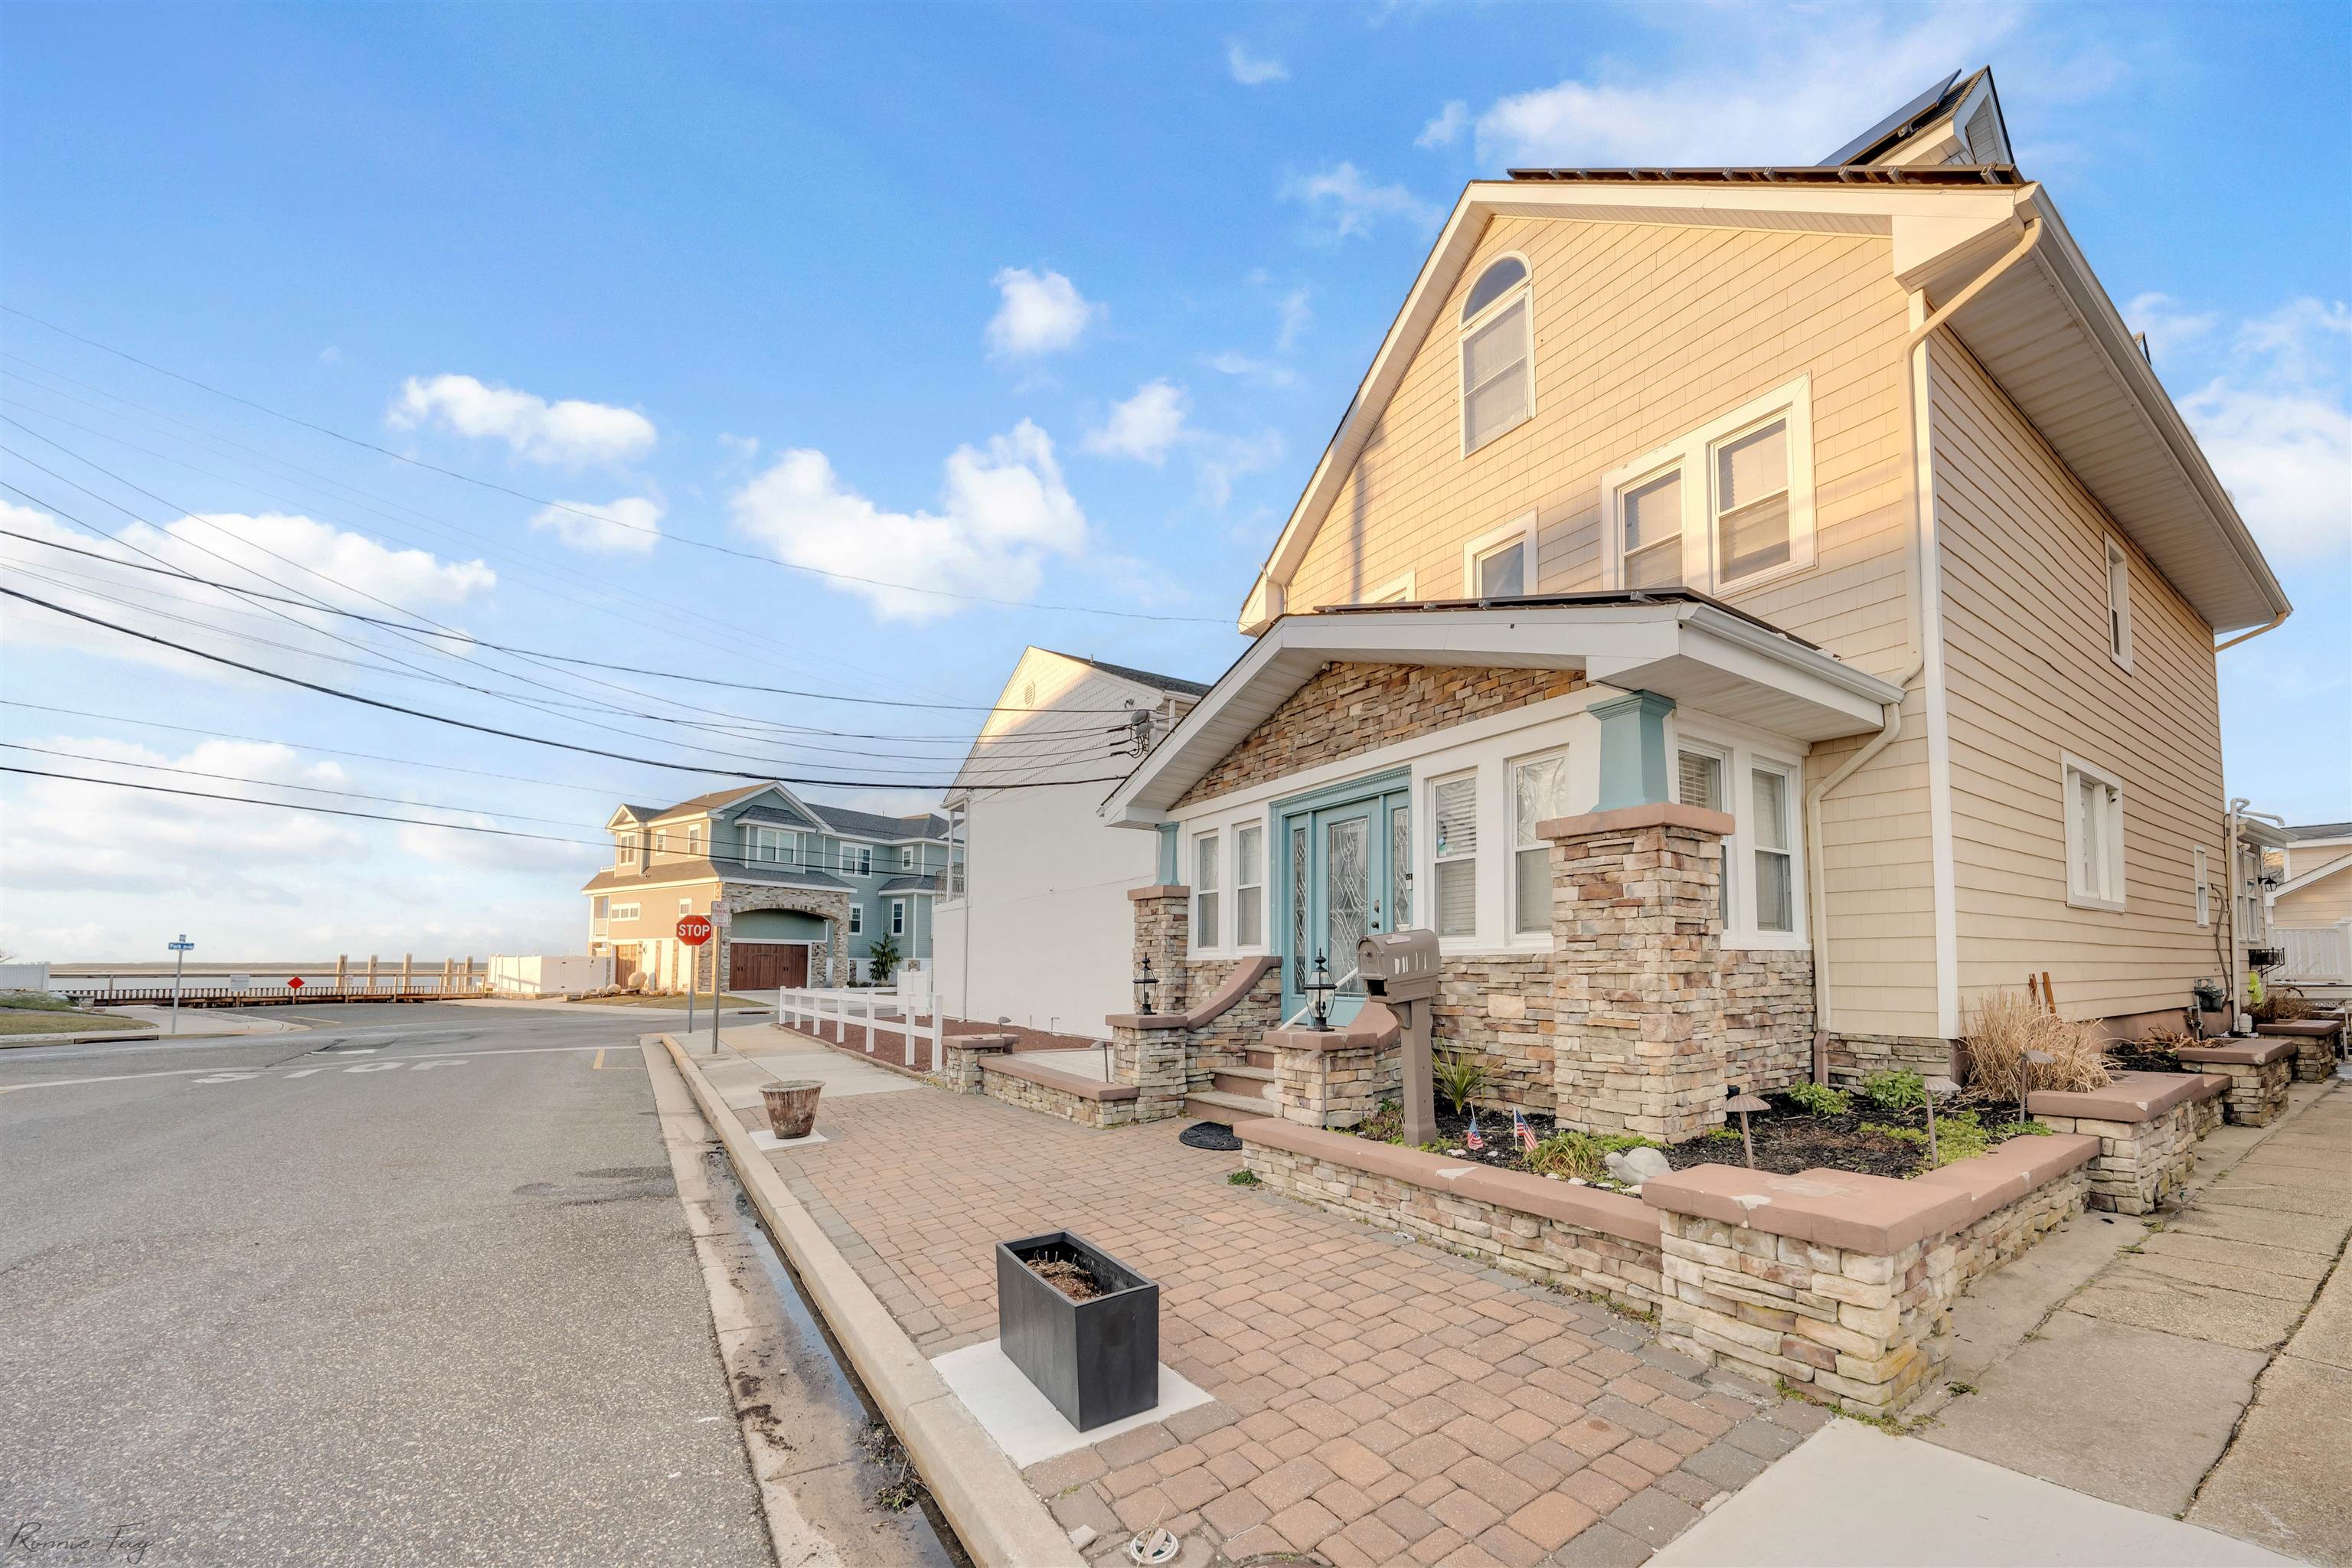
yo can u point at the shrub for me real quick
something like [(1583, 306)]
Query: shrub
[(1385, 1125), (1818, 1099), (1460, 1078), (1957, 1136), (1721, 1134), (2282, 1004), (2005, 1025), (1894, 1089), (1585, 1154)]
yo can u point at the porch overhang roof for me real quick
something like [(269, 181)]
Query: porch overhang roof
[(1678, 644)]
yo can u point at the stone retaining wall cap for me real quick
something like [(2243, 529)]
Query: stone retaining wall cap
[(2132, 1097), (2251, 1054)]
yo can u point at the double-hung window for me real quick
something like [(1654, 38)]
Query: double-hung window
[(2095, 837), (1497, 565), (1774, 846), (1538, 794), (856, 919), (2119, 638), (1249, 887), (897, 916), (1454, 854), (1497, 341), (2204, 888), (1699, 780), (628, 853), (694, 841), (864, 860), (1726, 507), (906, 859), (1204, 890)]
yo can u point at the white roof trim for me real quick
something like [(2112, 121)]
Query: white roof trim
[(1942, 237), (2342, 862), (1702, 656)]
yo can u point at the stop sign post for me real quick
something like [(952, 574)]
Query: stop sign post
[(694, 931)]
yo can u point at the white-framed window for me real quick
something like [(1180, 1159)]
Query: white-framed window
[(694, 841), (1725, 507), (603, 907), (1454, 854), (897, 916), (2095, 837), (773, 844), (2204, 887), (1205, 890), (1702, 778), (1501, 564), (856, 919), (864, 860), (624, 911), (1497, 354), (628, 853), (1249, 887), (1395, 591), (2119, 638), (1538, 794), (686, 906), (1772, 804), (906, 859)]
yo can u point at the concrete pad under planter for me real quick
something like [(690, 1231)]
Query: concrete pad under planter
[(2193, 1311), (2058, 1407), (1024, 1422), (2287, 1480), (767, 1141), (1851, 1497)]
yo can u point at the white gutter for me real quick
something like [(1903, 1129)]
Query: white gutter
[(1915, 594)]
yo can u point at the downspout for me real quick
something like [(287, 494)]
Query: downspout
[(1914, 596)]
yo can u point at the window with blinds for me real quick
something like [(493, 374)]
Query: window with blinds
[(1751, 501), (1538, 794), (1775, 882), (1653, 522), (1497, 348), (1454, 854), (1699, 781), (1204, 890)]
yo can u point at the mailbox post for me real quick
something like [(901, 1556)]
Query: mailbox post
[(1400, 967)]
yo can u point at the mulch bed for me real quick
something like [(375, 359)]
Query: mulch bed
[(1454, 1132), (2146, 1058)]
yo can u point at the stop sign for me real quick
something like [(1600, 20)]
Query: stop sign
[(694, 930)]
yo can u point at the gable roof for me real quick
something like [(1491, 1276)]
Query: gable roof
[(2045, 330), (842, 820), (2318, 873), (2322, 830), (718, 800), (1143, 676)]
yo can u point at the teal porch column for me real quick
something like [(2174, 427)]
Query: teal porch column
[(1632, 750)]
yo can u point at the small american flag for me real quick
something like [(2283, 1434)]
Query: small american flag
[(1474, 1141), (1522, 1131)]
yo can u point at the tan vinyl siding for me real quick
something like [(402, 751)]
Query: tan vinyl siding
[(1643, 333), (2023, 555), (2320, 903)]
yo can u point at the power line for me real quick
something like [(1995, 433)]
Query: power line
[(600, 517), (505, 734), (713, 861)]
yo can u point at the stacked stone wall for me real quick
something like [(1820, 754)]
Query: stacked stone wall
[(1346, 709), (2141, 1164), (1227, 1039), (1768, 1018), (1317, 1088), (1069, 1106), (1854, 1057), (1499, 1007)]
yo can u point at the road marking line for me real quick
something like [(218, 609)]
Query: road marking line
[(191, 1072), (428, 1066), (377, 1067), (599, 1063), (304, 1072)]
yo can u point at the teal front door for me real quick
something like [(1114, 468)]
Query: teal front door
[(1347, 854)]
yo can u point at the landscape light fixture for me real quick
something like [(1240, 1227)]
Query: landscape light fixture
[(1143, 984), (1934, 1086), (1744, 1103), (1318, 996), (2030, 1061)]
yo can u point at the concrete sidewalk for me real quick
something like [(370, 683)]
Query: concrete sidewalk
[(2194, 1364), (1369, 1401)]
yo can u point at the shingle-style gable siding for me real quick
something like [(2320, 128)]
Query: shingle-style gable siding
[(1346, 709)]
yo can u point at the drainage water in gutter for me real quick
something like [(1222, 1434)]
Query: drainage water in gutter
[(902, 1521)]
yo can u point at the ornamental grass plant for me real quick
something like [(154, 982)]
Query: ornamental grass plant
[(2001, 1029)]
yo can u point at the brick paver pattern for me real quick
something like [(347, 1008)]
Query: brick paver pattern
[(1375, 1401)]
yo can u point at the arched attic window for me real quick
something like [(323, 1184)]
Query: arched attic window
[(1498, 388)]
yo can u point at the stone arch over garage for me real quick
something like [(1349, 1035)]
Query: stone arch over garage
[(830, 905)]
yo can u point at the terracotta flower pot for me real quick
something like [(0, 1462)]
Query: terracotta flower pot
[(791, 1106)]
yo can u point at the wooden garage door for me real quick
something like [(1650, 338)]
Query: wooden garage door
[(764, 965)]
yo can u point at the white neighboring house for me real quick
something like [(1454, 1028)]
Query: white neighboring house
[(1034, 925), (2308, 892)]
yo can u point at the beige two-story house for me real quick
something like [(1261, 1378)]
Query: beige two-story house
[(1831, 513)]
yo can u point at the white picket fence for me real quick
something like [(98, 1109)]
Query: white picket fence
[(2318, 952), (877, 1011)]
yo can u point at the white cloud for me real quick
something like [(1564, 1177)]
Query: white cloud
[(1039, 313), (2167, 325), (1003, 512), (1251, 70), (1233, 362), (1296, 315), (1222, 459), (1760, 87), (304, 556), (2278, 429), (1353, 203), (1446, 129), (1144, 427), (567, 434), (629, 526)]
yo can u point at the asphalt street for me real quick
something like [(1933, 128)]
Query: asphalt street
[(413, 1287)]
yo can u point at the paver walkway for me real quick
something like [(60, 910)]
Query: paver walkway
[(2198, 1362), (1375, 1402)]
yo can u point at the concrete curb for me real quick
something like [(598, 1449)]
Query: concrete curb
[(12, 1042), (1000, 1520)]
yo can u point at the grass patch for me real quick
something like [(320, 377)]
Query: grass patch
[(22, 1021), (1245, 1179)]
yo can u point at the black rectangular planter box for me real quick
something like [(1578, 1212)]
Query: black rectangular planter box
[(1096, 1361)]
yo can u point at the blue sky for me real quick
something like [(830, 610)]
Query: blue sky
[(1046, 303)]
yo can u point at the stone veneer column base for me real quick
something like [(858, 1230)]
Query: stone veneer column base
[(2148, 1125), (2258, 1071), (1147, 1054), (1641, 1043), (1336, 1077), (964, 1056)]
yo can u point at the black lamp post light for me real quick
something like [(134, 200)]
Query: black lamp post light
[(1318, 995), (1143, 984)]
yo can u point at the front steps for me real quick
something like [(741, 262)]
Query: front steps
[(1235, 1094)]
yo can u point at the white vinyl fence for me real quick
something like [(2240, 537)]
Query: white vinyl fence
[(2318, 952), (877, 1011)]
